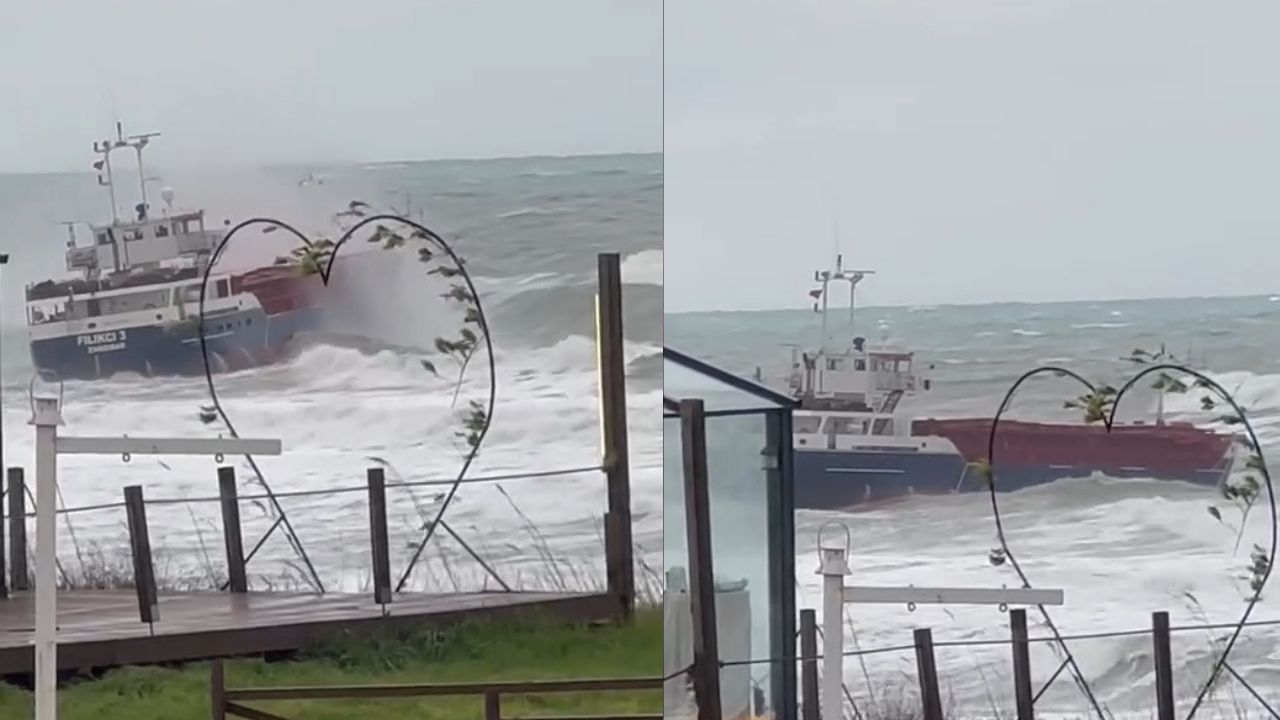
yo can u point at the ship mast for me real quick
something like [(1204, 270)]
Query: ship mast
[(104, 148), (826, 277)]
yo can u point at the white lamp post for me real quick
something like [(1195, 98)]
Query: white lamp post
[(833, 567), (46, 416)]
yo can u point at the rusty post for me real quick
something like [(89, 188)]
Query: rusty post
[(620, 563)]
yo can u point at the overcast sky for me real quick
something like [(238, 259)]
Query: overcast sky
[(266, 81), (972, 150)]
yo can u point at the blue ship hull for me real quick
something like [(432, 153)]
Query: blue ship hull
[(236, 340), (838, 479)]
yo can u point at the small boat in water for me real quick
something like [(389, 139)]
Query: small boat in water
[(133, 304), (853, 444)]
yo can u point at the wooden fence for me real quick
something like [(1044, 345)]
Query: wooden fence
[(226, 702), (1025, 693)]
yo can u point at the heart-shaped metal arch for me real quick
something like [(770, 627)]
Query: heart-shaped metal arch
[(1108, 422), (325, 271)]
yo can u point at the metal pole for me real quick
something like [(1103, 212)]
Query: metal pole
[(46, 419), (833, 571), (4, 260)]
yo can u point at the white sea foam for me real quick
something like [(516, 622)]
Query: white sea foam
[(643, 268), (1100, 326)]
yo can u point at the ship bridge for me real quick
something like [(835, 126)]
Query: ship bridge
[(147, 242)]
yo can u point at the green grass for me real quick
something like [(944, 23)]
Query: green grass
[(509, 650)]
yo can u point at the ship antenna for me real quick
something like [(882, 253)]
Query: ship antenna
[(104, 149), (138, 142)]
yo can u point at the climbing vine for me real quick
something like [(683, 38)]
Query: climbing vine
[(316, 256), (1098, 405)]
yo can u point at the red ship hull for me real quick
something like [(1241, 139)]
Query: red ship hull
[(1171, 451)]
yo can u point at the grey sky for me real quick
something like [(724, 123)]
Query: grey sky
[(973, 150), (265, 81)]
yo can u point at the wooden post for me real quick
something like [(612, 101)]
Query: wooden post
[(1164, 666), (620, 563), (378, 536), (492, 705), (19, 579), (930, 699), (809, 664), (702, 601), (144, 578), (1021, 664), (217, 691), (4, 571), (237, 579)]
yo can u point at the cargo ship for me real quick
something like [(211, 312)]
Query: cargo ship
[(132, 301), (854, 444)]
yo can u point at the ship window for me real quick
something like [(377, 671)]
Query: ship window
[(104, 238), (131, 235), (846, 426), (859, 364), (162, 231), (831, 364), (806, 424), (223, 290)]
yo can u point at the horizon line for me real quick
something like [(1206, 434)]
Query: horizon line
[(1236, 296), (338, 163)]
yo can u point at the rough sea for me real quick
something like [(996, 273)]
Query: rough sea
[(529, 230), (1119, 549)]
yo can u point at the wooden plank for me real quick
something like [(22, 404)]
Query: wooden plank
[(249, 713), (1023, 697), (619, 553), (378, 535), (19, 577), (233, 540), (144, 578), (166, 446), (697, 505), (492, 706), (952, 596), (404, 690), (100, 628)]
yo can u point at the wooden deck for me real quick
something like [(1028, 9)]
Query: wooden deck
[(100, 629)]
